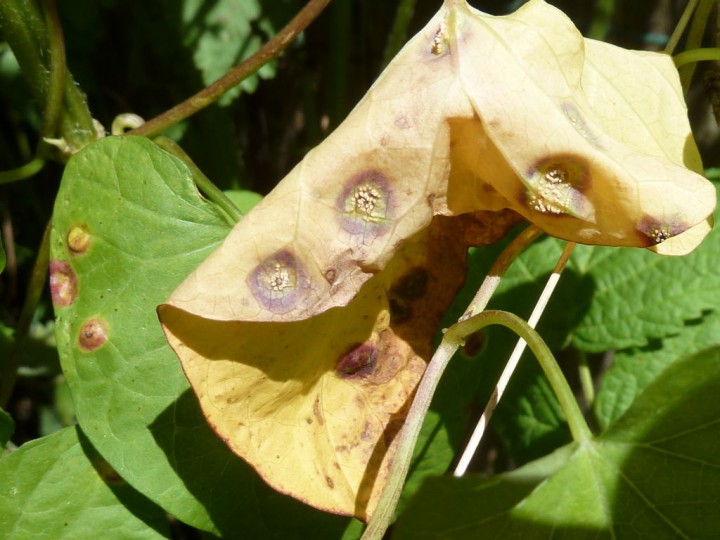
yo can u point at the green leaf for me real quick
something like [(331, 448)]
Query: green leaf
[(7, 428), (634, 369), (59, 487), (655, 474), (131, 396), (639, 296), (224, 34), (607, 298), (38, 354), (244, 199)]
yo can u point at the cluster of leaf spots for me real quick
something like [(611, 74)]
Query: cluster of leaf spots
[(64, 288), (370, 217)]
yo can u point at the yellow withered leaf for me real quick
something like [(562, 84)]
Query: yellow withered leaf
[(305, 334)]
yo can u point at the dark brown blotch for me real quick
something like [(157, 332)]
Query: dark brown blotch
[(359, 362), (410, 287), (474, 344)]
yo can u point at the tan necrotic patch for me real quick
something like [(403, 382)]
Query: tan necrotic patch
[(279, 283)]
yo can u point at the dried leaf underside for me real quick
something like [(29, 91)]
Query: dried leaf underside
[(305, 334)]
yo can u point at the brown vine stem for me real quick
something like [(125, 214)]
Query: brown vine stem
[(236, 75)]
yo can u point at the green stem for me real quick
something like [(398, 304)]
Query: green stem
[(24, 171), (25, 29), (602, 16), (236, 75), (694, 40), (8, 370), (56, 83), (204, 184), (457, 334), (696, 55), (398, 33), (340, 32), (680, 26), (53, 105), (586, 380), (454, 338)]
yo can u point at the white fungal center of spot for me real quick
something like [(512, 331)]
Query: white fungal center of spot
[(659, 235), (440, 41), (552, 193), (365, 199), (278, 280)]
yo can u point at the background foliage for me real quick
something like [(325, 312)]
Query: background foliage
[(622, 316)]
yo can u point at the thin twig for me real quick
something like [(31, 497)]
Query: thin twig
[(512, 363), (236, 75), (680, 27)]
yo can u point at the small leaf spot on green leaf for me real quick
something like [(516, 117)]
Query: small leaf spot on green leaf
[(78, 239), (63, 284), (365, 204), (93, 334), (358, 363), (279, 283)]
